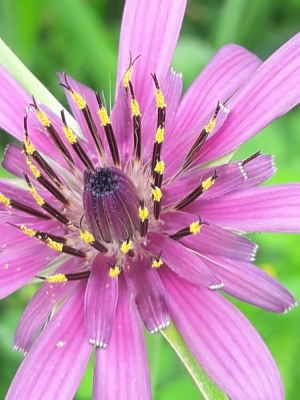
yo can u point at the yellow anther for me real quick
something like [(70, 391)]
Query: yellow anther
[(69, 134), (157, 194), (40, 201), (79, 100), (4, 200), (28, 231), (29, 147), (160, 100), (35, 172), (210, 126), (103, 116), (127, 77), (86, 236), (54, 245), (160, 135), (43, 117), (160, 167), (143, 213), (114, 272), (57, 278), (156, 263), (208, 183), (195, 227), (135, 108), (126, 246)]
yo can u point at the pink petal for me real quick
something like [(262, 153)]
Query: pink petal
[(273, 90), (249, 283), (211, 239), (259, 209), (40, 306), (54, 366), (100, 302), (223, 341), (148, 292), (259, 170), (121, 370), (181, 260), (154, 40)]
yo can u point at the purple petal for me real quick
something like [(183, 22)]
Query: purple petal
[(181, 261), (121, 370), (54, 366), (223, 341), (154, 40), (259, 209), (259, 170), (211, 239), (100, 302), (249, 283), (40, 306), (230, 67), (273, 90), (14, 161), (148, 292)]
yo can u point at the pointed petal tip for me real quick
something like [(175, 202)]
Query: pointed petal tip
[(97, 343), (217, 286), (160, 327), (290, 307), (20, 350)]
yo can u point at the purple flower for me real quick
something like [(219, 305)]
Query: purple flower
[(144, 218)]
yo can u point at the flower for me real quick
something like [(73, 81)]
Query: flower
[(144, 218)]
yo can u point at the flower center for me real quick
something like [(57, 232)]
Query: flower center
[(111, 205)]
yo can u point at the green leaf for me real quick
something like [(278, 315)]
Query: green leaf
[(206, 386)]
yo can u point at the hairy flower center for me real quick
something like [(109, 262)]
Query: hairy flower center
[(111, 205)]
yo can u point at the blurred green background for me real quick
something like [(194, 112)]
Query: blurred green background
[(81, 37)]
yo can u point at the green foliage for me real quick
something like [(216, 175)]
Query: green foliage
[(81, 38)]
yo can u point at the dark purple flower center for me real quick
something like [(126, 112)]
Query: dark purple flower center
[(111, 205)]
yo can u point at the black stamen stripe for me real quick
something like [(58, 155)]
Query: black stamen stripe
[(60, 144), (155, 156), (78, 275), (193, 195), (157, 207), (180, 234), (98, 246), (137, 131), (247, 160), (144, 228), (93, 130), (47, 207), (73, 252), (113, 146), (28, 210), (43, 236)]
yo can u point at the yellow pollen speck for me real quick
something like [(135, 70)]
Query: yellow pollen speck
[(156, 263), (160, 167), (5, 200), (160, 100), (28, 231), (35, 172), (79, 100), (114, 272), (43, 118), (103, 116), (135, 108), (57, 278), (210, 126), (86, 236), (28, 146), (69, 134), (195, 227), (40, 201), (126, 246), (6, 265), (143, 213), (208, 183), (54, 245), (160, 135), (127, 77), (156, 193)]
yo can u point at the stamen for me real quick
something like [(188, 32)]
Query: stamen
[(136, 118), (21, 207), (247, 160), (105, 122), (82, 105), (159, 172), (126, 246), (89, 238), (157, 195), (114, 271), (205, 185), (62, 278), (157, 262), (53, 134), (72, 139), (161, 120), (127, 75), (143, 214), (46, 206), (193, 229)]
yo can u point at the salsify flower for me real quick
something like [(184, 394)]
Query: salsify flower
[(144, 218)]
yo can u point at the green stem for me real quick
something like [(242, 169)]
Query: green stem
[(31, 84), (206, 386)]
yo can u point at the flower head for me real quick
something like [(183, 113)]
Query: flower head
[(137, 213)]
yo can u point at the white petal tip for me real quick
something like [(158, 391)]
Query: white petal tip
[(217, 286), (160, 327), (20, 350), (243, 172), (225, 109), (97, 343), (289, 308)]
